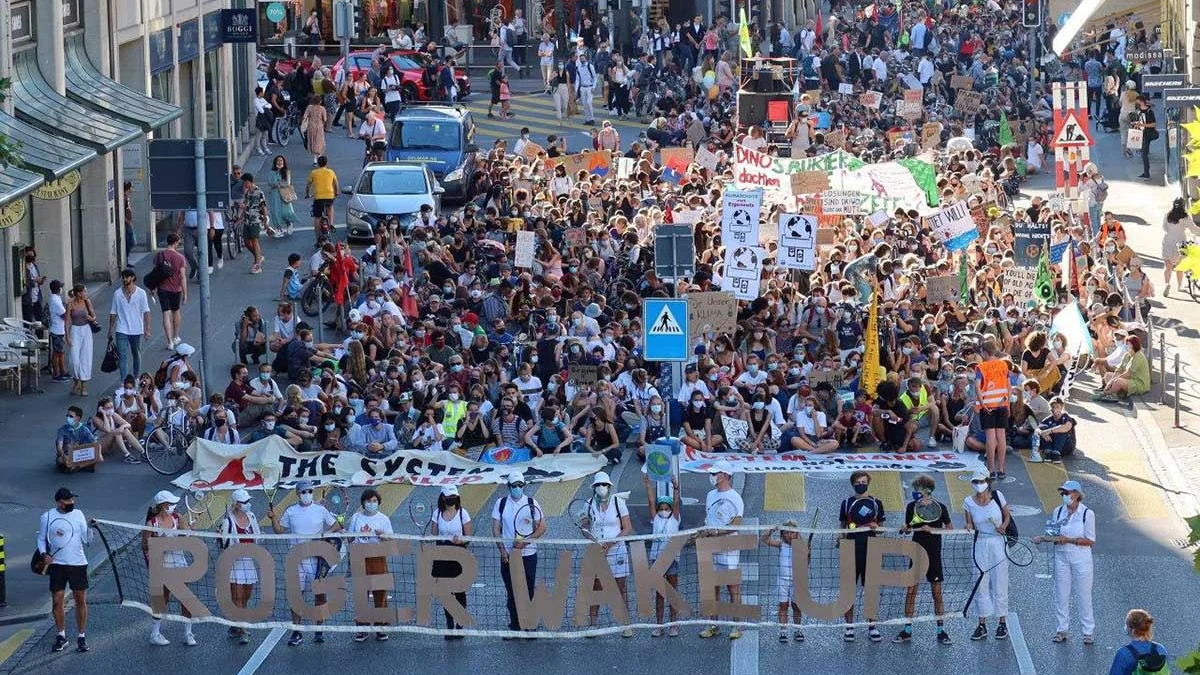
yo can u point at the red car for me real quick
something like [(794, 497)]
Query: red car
[(409, 64)]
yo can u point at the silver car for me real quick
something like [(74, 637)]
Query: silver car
[(390, 189)]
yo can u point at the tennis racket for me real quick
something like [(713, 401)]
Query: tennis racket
[(526, 519), (198, 499), (813, 526), (925, 513), (420, 516), (60, 533), (862, 511), (337, 500), (722, 511), (580, 510)]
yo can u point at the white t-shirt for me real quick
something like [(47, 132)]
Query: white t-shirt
[(130, 310), (71, 533), (531, 391), (982, 516), (606, 519), (454, 526), (390, 95), (366, 525), (308, 520), (688, 388), (58, 324), (729, 558), (665, 528), (508, 520)]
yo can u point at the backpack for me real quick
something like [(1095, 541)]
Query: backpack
[(1152, 661), (160, 375), (1101, 191), (810, 72), (161, 271)]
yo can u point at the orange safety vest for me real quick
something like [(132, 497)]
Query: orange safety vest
[(993, 391)]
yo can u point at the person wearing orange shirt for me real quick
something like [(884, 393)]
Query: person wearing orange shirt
[(991, 402)]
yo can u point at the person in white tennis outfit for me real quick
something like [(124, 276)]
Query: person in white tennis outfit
[(1076, 525), (988, 516), (239, 522), (716, 503), (607, 519), (162, 516)]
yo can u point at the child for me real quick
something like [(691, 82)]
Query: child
[(862, 415), (846, 427), (664, 518), (289, 289), (505, 95), (784, 543), (58, 333)]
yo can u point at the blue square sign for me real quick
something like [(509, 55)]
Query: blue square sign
[(666, 324)]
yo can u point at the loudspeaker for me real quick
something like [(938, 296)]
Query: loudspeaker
[(752, 108), (764, 82)]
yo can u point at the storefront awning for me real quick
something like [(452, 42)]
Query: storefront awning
[(16, 183), (38, 104), (39, 151), (86, 85)]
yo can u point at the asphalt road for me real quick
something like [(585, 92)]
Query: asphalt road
[(1138, 562)]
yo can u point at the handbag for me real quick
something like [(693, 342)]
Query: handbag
[(287, 193), (111, 360)]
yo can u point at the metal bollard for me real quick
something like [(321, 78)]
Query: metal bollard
[(1162, 367), (1177, 395), (3, 596)]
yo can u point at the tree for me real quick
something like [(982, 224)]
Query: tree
[(1190, 663), (8, 148)]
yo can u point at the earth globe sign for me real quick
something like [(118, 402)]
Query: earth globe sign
[(276, 12), (658, 464)]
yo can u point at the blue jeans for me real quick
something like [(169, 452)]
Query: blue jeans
[(129, 348)]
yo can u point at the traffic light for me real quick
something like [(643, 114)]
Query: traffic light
[(360, 19), (1031, 14), (341, 20)]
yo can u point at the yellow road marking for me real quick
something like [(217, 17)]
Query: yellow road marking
[(217, 509), (392, 495), (475, 496), (13, 643), (957, 489), (1046, 478), (886, 486), (784, 492), (554, 497), (1127, 473)]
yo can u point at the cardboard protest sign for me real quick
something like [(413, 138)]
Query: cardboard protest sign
[(575, 237), (679, 158), (714, 311), (706, 159), (941, 289), (871, 99), (845, 88), (967, 102), (531, 151), (809, 182), (525, 249), (961, 82), (842, 202), (931, 135), (1020, 282), (835, 138)]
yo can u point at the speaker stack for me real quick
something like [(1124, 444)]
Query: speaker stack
[(765, 92)]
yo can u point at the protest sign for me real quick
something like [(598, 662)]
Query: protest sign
[(931, 135), (918, 462), (941, 289), (678, 158), (713, 311), (797, 241), (955, 226), (581, 376), (967, 102), (742, 275), (1029, 237), (961, 82), (706, 159), (809, 182), (525, 246), (844, 202), (1020, 282), (740, 210), (845, 88), (835, 138), (686, 216), (575, 237), (531, 151), (625, 166), (871, 99), (909, 110)]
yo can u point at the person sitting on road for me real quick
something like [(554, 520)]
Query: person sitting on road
[(115, 432), (74, 432)]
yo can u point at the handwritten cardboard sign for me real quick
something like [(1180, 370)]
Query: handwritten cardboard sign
[(714, 311), (809, 182), (706, 159), (871, 99), (531, 151), (941, 289), (967, 102), (835, 138), (961, 82), (931, 135), (843, 202)]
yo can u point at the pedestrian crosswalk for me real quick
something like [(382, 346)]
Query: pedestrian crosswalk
[(536, 112)]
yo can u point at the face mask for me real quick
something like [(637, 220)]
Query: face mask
[(70, 421), (475, 294), (808, 409), (516, 492), (306, 498), (718, 349), (917, 495), (712, 479), (753, 370), (697, 404), (1013, 398), (714, 377), (655, 408), (182, 385), (356, 335), (1066, 499), (372, 506), (664, 513), (268, 425), (772, 366), (980, 488), (602, 491), (860, 489), (67, 508), (375, 421), (221, 421), (242, 506)]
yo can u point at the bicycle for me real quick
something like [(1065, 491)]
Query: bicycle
[(233, 232), (1189, 264), (317, 293), (288, 124), (166, 444)]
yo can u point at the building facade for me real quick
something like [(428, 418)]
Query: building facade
[(91, 82)]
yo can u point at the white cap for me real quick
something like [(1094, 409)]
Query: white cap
[(165, 497), (240, 495), (721, 466), (355, 316), (184, 349), (601, 478), (450, 491), (390, 285), (980, 475), (515, 477)]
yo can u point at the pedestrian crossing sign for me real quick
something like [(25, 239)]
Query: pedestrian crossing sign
[(665, 323)]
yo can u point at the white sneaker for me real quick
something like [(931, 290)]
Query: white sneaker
[(220, 263), (1035, 457), (932, 442), (210, 269), (189, 640), (159, 639)]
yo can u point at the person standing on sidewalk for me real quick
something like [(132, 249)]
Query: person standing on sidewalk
[(31, 299), (79, 339), (57, 322), (129, 322), (66, 563), (283, 194), (1149, 127), (1073, 561), (546, 60), (520, 31), (188, 224), (254, 218), (172, 291), (586, 80), (494, 77)]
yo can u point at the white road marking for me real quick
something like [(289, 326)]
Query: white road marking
[(743, 654), (1020, 647), (264, 650)]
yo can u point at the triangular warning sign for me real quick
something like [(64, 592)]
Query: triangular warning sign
[(665, 324), (1071, 132)]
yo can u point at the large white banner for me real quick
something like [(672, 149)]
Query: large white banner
[(701, 462), (740, 212), (272, 461)]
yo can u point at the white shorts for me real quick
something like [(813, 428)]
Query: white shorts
[(783, 587), (726, 561), (244, 572), (307, 571), (618, 561)]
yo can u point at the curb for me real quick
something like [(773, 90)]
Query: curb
[(1180, 494)]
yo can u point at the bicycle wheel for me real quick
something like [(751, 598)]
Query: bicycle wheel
[(315, 297), (166, 451), (283, 130), (1193, 287), (233, 241)]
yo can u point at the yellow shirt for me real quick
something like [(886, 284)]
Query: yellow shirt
[(323, 182)]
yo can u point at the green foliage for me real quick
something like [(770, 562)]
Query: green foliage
[(8, 147), (1190, 663)]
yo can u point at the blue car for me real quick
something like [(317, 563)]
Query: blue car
[(442, 137)]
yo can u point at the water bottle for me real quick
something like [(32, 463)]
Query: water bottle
[(1036, 441)]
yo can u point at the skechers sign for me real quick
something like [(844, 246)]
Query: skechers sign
[(239, 25)]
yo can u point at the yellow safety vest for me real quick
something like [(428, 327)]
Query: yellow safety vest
[(452, 414)]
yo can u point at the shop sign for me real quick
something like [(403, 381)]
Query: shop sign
[(12, 213), (57, 189)]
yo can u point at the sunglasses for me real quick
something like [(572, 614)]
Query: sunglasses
[(306, 492)]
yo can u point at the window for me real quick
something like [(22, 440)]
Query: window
[(212, 101), (161, 88), (393, 183), (426, 135)]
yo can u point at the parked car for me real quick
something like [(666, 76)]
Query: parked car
[(410, 65), (442, 137), (386, 189)]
